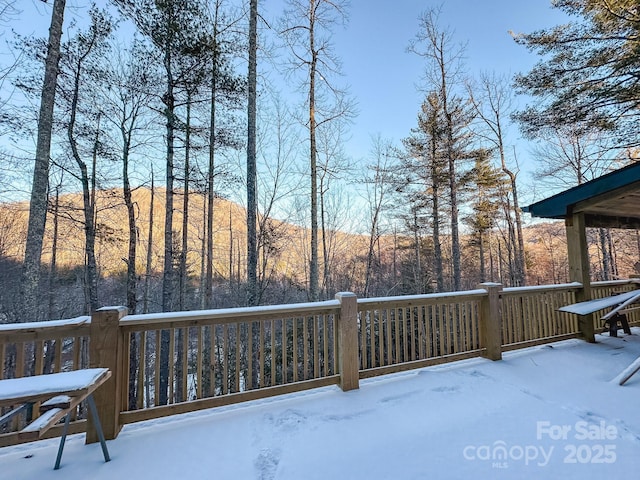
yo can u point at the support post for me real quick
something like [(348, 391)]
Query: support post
[(106, 350), (578, 251), (348, 341), (491, 321)]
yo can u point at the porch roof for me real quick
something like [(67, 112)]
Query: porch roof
[(610, 201)]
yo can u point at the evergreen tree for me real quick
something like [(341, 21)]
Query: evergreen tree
[(589, 70)]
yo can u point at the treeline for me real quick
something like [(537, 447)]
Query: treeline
[(158, 97), (63, 292)]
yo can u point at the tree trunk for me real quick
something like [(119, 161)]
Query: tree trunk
[(147, 273), (53, 270), (167, 273), (38, 202), (88, 198), (313, 158), (134, 370), (185, 209), (252, 253)]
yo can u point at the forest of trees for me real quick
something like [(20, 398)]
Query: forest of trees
[(188, 154)]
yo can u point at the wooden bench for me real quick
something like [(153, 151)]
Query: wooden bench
[(620, 302), (58, 394)]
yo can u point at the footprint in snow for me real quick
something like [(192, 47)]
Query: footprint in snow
[(266, 464), (446, 389)]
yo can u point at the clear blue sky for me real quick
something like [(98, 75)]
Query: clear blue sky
[(382, 76)]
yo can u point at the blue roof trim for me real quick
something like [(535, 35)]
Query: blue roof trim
[(558, 205)]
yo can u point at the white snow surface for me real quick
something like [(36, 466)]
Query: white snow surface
[(552, 411), (52, 383)]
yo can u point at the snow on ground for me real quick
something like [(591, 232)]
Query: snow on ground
[(552, 411)]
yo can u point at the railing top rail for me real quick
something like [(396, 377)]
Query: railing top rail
[(611, 283), (237, 314), (45, 326), (427, 298), (538, 288)]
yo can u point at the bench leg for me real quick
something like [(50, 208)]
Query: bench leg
[(98, 425), (625, 324), (62, 440)]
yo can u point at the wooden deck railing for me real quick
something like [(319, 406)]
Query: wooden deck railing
[(401, 333), (530, 315), (170, 363)]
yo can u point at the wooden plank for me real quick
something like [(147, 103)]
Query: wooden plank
[(38, 427), (76, 353), (539, 341), (59, 401), (250, 355), (221, 316), (295, 349), (238, 358), (396, 323), (413, 336), (379, 337), (262, 354), (388, 338), (45, 332), (220, 401), (285, 348), (14, 438), (403, 367), (325, 344), (185, 364), (3, 354), (19, 360), (172, 365), (305, 350), (316, 345), (225, 359), (142, 369), (14, 412), (199, 356), (422, 332), (156, 380), (274, 358), (363, 340), (405, 334)]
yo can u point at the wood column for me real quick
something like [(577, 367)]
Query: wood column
[(106, 350), (348, 355), (579, 270), (491, 321)]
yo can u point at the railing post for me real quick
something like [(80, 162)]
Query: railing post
[(106, 350), (491, 321), (348, 341)]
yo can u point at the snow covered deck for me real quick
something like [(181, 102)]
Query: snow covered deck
[(553, 411)]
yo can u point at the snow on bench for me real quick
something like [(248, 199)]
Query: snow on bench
[(60, 393), (591, 306), (74, 383), (619, 302)]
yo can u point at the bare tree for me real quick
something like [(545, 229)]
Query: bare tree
[(492, 101), (379, 187), (38, 203), (307, 28), (443, 75), (252, 257)]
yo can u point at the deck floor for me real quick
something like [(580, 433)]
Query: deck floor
[(552, 411)]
